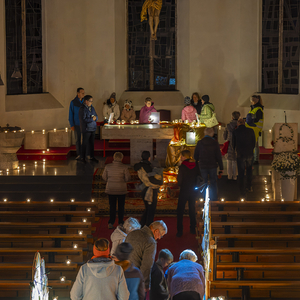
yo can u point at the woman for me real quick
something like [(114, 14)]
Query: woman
[(100, 276), (120, 233), (231, 154), (128, 113), (207, 109), (186, 280), (116, 174), (189, 112), (196, 102), (146, 110), (255, 120), (111, 106)]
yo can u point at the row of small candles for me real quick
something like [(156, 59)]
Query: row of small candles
[(52, 200), (54, 130), (243, 199)]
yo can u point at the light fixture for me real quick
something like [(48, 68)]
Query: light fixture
[(34, 67), (44, 159), (84, 220), (242, 199), (28, 200), (16, 73), (51, 200), (68, 261), (7, 170), (55, 298), (222, 199), (43, 151), (88, 209), (66, 129), (32, 131), (201, 200), (80, 232), (24, 165), (5, 200), (72, 200), (75, 246), (263, 199), (62, 278), (202, 209), (43, 131), (54, 129), (282, 200), (48, 150), (93, 200)]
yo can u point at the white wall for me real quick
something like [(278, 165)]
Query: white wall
[(218, 53)]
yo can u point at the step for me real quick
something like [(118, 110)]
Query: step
[(259, 250)]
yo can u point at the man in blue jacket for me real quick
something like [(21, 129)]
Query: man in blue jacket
[(88, 118), (74, 118)]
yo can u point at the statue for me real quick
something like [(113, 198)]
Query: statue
[(153, 7)]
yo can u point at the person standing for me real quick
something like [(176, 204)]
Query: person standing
[(187, 181), (207, 109), (189, 112), (255, 120), (146, 111), (159, 287), (88, 126), (116, 175), (74, 119), (143, 242), (196, 102), (111, 106), (100, 277), (231, 155), (208, 155), (243, 142), (150, 207)]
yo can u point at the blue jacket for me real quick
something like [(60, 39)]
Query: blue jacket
[(87, 124), (74, 111)]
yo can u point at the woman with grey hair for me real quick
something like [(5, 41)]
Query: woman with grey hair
[(186, 280), (116, 175), (120, 233)]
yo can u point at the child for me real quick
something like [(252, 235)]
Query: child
[(134, 277), (146, 110), (187, 181), (128, 113), (189, 111), (159, 288), (231, 155)]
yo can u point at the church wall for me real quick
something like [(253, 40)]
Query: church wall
[(85, 43)]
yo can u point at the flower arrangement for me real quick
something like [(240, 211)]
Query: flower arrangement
[(286, 162)]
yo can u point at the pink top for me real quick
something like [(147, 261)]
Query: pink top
[(145, 113), (189, 113)]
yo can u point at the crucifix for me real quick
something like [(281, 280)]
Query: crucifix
[(153, 8)]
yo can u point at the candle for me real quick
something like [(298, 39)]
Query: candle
[(131, 122), (118, 122), (220, 127), (186, 121), (32, 131), (66, 129), (123, 122), (54, 129), (43, 131)]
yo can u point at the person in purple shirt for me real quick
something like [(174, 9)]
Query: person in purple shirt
[(147, 110)]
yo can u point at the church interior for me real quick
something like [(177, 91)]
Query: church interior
[(53, 206)]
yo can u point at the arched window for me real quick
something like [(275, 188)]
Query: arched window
[(24, 46)]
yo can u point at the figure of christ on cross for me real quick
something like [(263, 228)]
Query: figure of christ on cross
[(153, 7)]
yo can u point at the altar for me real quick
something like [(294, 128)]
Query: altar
[(141, 138)]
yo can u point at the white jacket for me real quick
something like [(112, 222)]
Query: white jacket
[(114, 108), (117, 237)]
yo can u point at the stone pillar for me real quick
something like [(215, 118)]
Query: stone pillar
[(161, 151), (36, 140), (137, 146), (59, 138)]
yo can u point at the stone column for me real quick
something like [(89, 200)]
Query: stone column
[(161, 151)]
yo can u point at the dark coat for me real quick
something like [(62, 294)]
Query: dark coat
[(243, 141), (159, 287), (187, 177), (198, 106), (208, 154), (87, 124), (148, 168)]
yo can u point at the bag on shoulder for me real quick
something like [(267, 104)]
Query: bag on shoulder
[(211, 122), (224, 148)]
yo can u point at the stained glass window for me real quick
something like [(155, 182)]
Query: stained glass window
[(139, 48), (33, 51)]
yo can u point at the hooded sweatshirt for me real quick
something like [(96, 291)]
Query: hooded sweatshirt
[(145, 113), (189, 113), (187, 177), (100, 279), (117, 237)]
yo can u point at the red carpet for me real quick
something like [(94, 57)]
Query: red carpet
[(170, 241)]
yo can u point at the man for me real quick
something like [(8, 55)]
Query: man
[(209, 157), (156, 180), (74, 118), (100, 276), (159, 287), (143, 242), (187, 181), (88, 126), (243, 141)]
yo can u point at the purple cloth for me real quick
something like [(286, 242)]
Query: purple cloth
[(185, 276), (145, 113)]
